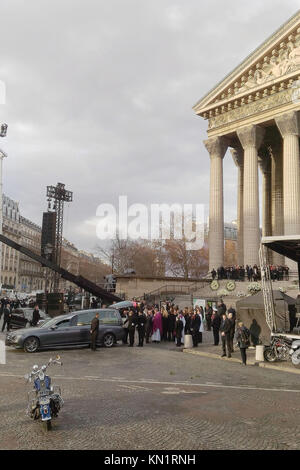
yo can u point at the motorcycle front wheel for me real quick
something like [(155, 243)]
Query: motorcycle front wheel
[(47, 425), (269, 355)]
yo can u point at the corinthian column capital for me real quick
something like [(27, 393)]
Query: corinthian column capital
[(288, 124), (238, 156), (251, 136), (216, 146)]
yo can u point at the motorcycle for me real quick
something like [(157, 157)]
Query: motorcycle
[(44, 401), (295, 352), (278, 350)]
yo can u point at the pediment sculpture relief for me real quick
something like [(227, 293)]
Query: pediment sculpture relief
[(280, 62)]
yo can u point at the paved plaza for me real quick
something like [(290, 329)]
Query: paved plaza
[(153, 398)]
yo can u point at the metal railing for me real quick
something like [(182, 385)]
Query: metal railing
[(176, 289)]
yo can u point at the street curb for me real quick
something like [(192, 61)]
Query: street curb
[(282, 369), (216, 356), (250, 363)]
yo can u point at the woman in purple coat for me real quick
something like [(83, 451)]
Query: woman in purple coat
[(157, 328)]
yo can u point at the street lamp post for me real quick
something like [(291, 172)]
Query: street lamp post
[(3, 131)]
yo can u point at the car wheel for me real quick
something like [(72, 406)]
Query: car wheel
[(108, 340), (31, 344)]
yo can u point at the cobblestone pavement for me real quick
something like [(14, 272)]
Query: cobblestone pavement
[(152, 398)]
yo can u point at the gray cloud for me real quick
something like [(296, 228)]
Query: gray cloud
[(100, 96)]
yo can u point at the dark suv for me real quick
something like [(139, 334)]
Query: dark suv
[(68, 331)]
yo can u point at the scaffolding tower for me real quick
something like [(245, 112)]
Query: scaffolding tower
[(267, 290)]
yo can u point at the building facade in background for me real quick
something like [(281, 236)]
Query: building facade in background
[(31, 273), (23, 274), (10, 257)]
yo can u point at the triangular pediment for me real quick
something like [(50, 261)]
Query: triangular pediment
[(273, 66)]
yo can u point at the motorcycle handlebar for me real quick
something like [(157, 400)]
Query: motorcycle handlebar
[(51, 361)]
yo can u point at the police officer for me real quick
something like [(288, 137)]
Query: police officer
[(94, 331), (141, 327)]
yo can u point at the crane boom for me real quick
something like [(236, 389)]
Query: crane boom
[(80, 281)]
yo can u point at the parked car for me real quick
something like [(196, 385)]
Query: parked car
[(69, 331), (23, 316), (18, 319)]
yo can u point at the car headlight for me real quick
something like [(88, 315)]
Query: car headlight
[(16, 337)]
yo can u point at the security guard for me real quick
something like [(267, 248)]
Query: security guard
[(94, 331)]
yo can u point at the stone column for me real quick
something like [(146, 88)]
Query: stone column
[(238, 158), (289, 127), (217, 148), (276, 154), (251, 138), (264, 161)]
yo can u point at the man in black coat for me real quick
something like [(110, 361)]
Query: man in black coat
[(2, 307), (35, 316), (231, 318), (141, 327), (171, 329), (216, 322), (222, 308), (149, 323), (7, 317), (94, 331), (194, 328), (178, 330), (225, 329), (132, 324), (208, 316)]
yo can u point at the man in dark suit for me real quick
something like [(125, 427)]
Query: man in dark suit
[(94, 331), (35, 316), (141, 327), (195, 325), (225, 329), (216, 322), (132, 324)]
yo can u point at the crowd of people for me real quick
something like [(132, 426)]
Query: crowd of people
[(166, 324), (172, 324), (250, 273)]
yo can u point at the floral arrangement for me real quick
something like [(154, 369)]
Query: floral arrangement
[(282, 290), (254, 287), (240, 294)]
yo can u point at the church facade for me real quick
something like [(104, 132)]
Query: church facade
[(255, 112)]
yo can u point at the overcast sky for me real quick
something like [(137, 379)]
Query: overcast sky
[(99, 96)]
